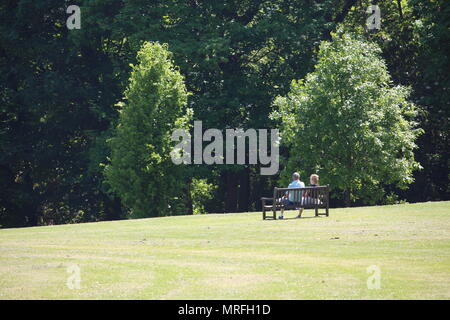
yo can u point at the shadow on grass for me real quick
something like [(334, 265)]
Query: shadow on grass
[(295, 218), (292, 218)]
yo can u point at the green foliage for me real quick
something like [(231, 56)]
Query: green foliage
[(201, 192), (141, 171), (59, 88), (55, 98), (236, 56), (348, 123), (415, 41)]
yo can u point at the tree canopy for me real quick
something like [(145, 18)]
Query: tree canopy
[(141, 171), (348, 123), (60, 87)]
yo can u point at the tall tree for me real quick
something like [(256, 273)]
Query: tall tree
[(56, 97), (141, 170), (347, 123), (415, 39), (236, 57)]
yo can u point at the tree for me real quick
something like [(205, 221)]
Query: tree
[(347, 122), (59, 88), (236, 56), (56, 97), (415, 42), (141, 171)]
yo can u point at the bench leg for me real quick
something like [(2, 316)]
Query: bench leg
[(317, 211), (264, 214)]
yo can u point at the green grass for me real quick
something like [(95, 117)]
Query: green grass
[(236, 256)]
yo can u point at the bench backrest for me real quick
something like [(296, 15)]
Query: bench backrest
[(305, 197)]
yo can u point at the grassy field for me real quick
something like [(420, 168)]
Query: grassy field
[(236, 256)]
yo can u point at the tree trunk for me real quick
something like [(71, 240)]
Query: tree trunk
[(400, 10), (232, 189), (347, 199), (190, 204), (244, 190), (113, 208), (30, 204)]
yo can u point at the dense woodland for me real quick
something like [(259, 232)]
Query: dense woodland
[(61, 92)]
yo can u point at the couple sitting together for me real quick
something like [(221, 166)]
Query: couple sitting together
[(288, 198)]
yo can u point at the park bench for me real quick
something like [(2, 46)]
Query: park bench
[(304, 198)]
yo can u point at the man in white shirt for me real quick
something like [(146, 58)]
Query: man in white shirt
[(289, 196)]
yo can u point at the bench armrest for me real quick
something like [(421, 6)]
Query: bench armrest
[(269, 200)]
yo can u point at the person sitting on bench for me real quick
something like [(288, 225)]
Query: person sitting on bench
[(311, 197), (288, 198)]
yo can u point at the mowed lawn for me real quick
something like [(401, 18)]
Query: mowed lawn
[(236, 256)]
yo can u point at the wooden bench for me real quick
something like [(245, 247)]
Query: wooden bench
[(304, 198)]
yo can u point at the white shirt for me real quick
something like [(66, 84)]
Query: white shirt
[(295, 184)]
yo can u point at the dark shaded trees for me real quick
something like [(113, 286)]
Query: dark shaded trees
[(56, 100), (59, 87)]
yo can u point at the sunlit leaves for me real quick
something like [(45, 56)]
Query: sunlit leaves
[(141, 171), (348, 123)]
